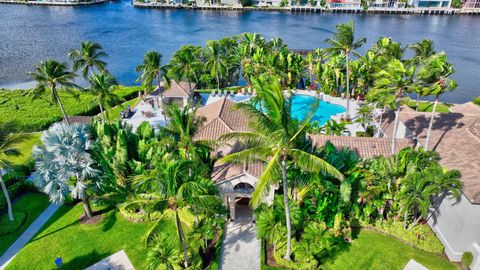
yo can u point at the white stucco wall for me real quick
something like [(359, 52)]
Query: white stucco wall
[(227, 186), (458, 227)]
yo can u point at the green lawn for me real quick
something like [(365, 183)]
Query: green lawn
[(372, 250), (81, 245), (27, 115), (25, 148), (427, 106), (33, 204)]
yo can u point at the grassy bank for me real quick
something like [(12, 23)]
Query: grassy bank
[(33, 205), (81, 245), (427, 106), (25, 148), (27, 115)]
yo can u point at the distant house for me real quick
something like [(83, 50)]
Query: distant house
[(471, 4), (456, 137), (431, 3), (180, 93)]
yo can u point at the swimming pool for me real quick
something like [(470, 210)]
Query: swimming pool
[(302, 105)]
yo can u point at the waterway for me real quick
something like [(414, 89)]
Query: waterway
[(30, 34)]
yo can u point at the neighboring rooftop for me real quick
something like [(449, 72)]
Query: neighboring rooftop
[(365, 147), (179, 89), (220, 119), (455, 136)]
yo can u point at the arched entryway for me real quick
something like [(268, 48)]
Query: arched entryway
[(239, 202)]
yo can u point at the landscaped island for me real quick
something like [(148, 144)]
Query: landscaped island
[(306, 164)]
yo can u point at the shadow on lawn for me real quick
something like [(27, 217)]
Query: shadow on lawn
[(81, 262)]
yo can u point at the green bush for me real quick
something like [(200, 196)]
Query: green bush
[(420, 236), (7, 226), (476, 101), (467, 259), (27, 115), (17, 184)]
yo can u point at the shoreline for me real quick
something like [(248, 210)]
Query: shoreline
[(56, 3), (316, 9)]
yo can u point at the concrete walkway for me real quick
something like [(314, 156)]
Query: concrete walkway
[(241, 247), (28, 234)]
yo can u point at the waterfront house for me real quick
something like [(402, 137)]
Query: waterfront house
[(235, 182), (456, 137), (180, 93), (430, 3)]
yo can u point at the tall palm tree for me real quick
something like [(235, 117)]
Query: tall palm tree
[(7, 148), (392, 82), (273, 140), (434, 80), (63, 164), (151, 70), (102, 86), (423, 50), (171, 188), (88, 57), (185, 64), (49, 76), (216, 61), (343, 42)]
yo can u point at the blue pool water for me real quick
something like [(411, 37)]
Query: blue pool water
[(302, 106)]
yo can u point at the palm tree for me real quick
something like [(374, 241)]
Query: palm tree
[(391, 83), (273, 140), (173, 187), (164, 255), (185, 64), (49, 76), (423, 50), (434, 80), (7, 148), (102, 86), (151, 70), (63, 164), (343, 42), (88, 57), (414, 196), (216, 62), (364, 116), (181, 128)]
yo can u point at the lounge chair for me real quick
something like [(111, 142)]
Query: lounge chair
[(219, 93), (213, 93), (232, 93), (225, 92)]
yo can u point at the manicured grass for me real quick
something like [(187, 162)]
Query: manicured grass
[(33, 204), (476, 101), (25, 147), (372, 250), (27, 115), (81, 245), (427, 106)]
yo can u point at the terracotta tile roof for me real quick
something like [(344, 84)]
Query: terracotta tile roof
[(79, 119), (220, 119), (365, 147), (455, 136), (179, 89), (225, 171)]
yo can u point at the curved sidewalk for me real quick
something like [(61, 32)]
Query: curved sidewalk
[(28, 234)]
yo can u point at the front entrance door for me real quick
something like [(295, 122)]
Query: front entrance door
[(243, 212)]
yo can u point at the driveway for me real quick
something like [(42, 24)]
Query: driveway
[(241, 247)]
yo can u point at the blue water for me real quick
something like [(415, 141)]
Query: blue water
[(302, 106), (30, 34)]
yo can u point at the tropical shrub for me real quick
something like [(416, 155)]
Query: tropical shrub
[(476, 101), (467, 259), (421, 237)]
